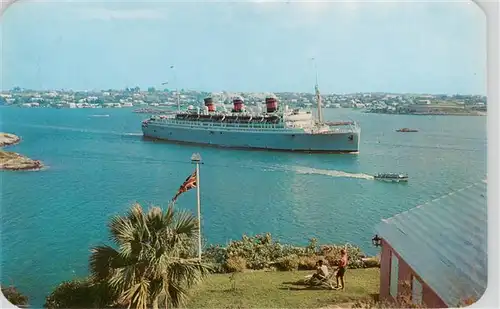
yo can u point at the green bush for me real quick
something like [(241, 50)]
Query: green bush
[(259, 251), (217, 256), (308, 262), (235, 264), (371, 262), (80, 293), (287, 263), (312, 247), (14, 296), (332, 255), (262, 252), (294, 250)]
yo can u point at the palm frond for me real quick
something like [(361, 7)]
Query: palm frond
[(155, 219), (121, 230), (168, 216), (136, 215), (137, 295), (101, 260), (177, 295), (187, 271), (123, 277), (155, 288), (185, 224)]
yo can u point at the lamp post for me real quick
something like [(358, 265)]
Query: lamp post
[(196, 159)]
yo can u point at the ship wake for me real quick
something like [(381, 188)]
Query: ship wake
[(332, 173), (83, 130)]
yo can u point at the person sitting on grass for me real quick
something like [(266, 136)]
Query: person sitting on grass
[(341, 269), (321, 271)]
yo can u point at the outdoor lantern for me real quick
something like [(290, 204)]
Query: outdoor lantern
[(196, 158), (377, 241)]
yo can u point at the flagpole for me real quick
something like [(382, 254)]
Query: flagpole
[(196, 159)]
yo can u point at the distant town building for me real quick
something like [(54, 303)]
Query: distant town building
[(439, 249), (419, 108)]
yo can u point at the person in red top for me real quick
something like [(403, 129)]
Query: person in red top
[(341, 268)]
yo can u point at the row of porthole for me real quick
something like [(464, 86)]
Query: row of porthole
[(192, 127), (239, 130)]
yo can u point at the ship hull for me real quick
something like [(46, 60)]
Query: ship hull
[(337, 142)]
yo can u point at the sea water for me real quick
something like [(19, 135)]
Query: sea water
[(99, 166)]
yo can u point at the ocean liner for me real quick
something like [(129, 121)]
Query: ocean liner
[(274, 127)]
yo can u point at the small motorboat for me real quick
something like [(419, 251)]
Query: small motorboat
[(406, 130), (391, 177), (100, 115)]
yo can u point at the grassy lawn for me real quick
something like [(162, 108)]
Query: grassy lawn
[(277, 289)]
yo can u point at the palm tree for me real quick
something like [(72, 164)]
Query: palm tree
[(152, 264)]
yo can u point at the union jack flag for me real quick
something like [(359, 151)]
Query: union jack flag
[(188, 184)]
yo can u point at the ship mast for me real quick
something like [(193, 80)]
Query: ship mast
[(178, 100), (318, 95), (176, 89)]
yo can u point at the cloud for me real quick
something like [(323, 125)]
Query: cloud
[(314, 12), (128, 14)]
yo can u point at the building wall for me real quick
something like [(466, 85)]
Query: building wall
[(405, 274)]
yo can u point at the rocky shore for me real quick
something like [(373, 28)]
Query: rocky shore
[(14, 161), (7, 139)]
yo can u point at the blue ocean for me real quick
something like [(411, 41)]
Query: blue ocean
[(99, 166)]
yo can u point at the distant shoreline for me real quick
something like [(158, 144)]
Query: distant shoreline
[(475, 113), (13, 161), (169, 110)]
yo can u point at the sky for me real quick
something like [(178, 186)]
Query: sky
[(258, 46)]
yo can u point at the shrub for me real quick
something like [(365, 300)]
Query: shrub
[(217, 256), (332, 255), (80, 293), (14, 296), (262, 252), (312, 247), (307, 262), (287, 263), (235, 264), (293, 250), (371, 262), (333, 260), (259, 251)]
